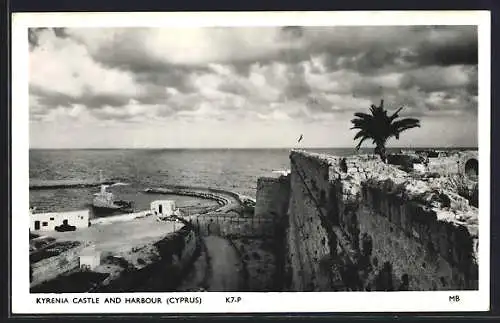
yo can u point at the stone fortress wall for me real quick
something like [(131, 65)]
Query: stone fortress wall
[(358, 224)]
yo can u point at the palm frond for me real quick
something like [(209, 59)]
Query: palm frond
[(358, 146), (395, 114), (361, 133), (404, 124), (379, 126), (362, 115)]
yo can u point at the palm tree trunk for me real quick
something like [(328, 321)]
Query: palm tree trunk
[(381, 151)]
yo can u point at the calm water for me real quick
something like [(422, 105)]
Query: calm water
[(231, 169)]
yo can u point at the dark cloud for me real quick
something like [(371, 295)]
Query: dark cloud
[(243, 68), (472, 88), (52, 100), (34, 34), (60, 32), (122, 50), (110, 116), (177, 77), (297, 86), (96, 102), (457, 45), (318, 104), (292, 32), (434, 79), (446, 55), (371, 61), (414, 47), (233, 88)]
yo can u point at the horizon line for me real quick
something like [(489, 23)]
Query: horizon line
[(243, 148)]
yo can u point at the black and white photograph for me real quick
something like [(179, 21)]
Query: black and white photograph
[(167, 162)]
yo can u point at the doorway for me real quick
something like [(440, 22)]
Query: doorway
[(37, 225), (472, 169)]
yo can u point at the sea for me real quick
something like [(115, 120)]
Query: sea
[(235, 170)]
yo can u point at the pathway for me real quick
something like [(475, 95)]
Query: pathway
[(222, 268), (225, 265)]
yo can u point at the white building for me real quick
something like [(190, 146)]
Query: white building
[(419, 168), (164, 208), (48, 221), (90, 259)]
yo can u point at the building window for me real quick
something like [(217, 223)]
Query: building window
[(44, 224), (81, 217), (51, 219)]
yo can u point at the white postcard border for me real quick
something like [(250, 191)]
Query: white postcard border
[(25, 303)]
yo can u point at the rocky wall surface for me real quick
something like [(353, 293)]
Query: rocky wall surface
[(52, 267), (309, 240), (453, 164), (159, 267), (358, 224), (272, 196), (443, 165), (232, 225)]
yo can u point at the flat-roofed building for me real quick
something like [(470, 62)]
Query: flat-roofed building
[(49, 221)]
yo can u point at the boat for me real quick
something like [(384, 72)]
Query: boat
[(104, 203)]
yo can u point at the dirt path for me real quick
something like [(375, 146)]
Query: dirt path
[(225, 266)]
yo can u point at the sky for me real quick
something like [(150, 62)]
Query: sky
[(240, 87)]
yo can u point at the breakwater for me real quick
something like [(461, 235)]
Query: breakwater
[(226, 200), (67, 183)]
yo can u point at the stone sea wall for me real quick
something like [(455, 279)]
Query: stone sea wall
[(52, 267), (358, 224), (160, 267), (230, 225)]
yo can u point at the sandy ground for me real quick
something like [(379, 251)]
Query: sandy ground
[(225, 267), (121, 236)]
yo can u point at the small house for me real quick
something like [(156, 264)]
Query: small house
[(419, 168), (90, 259), (49, 221), (163, 208)]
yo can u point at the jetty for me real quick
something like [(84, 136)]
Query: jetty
[(68, 183)]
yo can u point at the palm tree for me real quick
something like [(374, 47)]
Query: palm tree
[(379, 127)]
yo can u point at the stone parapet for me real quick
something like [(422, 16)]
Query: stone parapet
[(393, 230)]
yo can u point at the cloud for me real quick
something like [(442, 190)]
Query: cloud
[(435, 78), (144, 49), (401, 47), (309, 75)]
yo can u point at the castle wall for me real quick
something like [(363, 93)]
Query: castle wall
[(230, 225), (358, 224), (272, 196)]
